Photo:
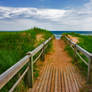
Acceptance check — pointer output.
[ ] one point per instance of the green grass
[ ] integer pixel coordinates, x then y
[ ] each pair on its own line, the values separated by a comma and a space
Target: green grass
76, 60
84, 42
15, 45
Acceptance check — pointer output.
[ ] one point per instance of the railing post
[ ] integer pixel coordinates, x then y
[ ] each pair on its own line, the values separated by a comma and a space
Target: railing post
43, 53
67, 42
75, 50
30, 72
89, 78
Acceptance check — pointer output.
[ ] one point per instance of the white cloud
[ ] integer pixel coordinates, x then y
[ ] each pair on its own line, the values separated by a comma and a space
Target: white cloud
51, 19
8, 12
52, 14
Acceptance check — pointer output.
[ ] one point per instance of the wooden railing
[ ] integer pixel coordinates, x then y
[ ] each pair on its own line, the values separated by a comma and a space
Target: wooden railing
27, 60
77, 49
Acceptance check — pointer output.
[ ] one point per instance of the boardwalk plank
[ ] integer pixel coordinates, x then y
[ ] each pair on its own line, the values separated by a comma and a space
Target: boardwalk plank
44, 80
49, 81
59, 75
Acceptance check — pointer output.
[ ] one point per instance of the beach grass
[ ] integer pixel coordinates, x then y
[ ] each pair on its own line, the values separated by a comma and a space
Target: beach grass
85, 43
15, 45
84, 40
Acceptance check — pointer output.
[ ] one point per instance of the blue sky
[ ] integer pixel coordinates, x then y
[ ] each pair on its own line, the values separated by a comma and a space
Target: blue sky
48, 14
56, 4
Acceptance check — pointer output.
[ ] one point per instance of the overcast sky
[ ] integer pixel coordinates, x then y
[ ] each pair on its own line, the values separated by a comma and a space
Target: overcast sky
73, 15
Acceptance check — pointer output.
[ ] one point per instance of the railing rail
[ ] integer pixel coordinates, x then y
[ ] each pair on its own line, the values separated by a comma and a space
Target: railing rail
78, 49
28, 59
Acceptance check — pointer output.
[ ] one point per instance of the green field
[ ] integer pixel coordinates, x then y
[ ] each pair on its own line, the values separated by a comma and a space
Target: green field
15, 45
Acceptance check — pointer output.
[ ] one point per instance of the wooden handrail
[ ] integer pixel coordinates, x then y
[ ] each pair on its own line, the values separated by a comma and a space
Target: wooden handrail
78, 49
12, 71
38, 48
8, 74
85, 52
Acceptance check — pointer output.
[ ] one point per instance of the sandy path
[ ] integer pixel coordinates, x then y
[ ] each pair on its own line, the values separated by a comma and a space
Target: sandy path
58, 70
59, 57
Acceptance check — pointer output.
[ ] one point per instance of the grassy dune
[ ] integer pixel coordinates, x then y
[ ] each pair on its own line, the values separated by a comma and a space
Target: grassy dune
84, 42
15, 45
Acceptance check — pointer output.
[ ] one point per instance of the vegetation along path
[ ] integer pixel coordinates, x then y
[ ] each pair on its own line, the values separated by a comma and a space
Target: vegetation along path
58, 73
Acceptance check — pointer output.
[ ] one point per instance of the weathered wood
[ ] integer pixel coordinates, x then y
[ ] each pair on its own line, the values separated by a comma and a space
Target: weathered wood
12, 71
82, 58
70, 41
53, 81
72, 83
87, 54
47, 80
37, 85
47, 40
89, 79
37, 57
12, 89
30, 73
75, 50
63, 81
56, 80
69, 81
36, 50
50, 80
8, 74
43, 53
66, 82
43, 81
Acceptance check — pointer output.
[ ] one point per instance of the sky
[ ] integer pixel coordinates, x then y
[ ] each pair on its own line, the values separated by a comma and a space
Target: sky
61, 15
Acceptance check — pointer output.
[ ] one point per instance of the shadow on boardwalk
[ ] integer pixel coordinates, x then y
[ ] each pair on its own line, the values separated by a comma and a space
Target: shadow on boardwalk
58, 73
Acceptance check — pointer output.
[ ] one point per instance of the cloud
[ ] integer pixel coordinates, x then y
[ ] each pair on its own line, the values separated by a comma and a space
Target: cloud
52, 19
51, 14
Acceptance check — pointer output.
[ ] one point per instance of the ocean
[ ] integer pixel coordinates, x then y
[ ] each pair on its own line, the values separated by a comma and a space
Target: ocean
58, 34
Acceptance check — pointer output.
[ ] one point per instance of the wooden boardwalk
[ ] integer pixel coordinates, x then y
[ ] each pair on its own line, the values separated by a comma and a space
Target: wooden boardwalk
54, 79
58, 73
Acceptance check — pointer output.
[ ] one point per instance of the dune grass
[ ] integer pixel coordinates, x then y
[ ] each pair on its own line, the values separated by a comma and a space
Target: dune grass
84, 42
15, 45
